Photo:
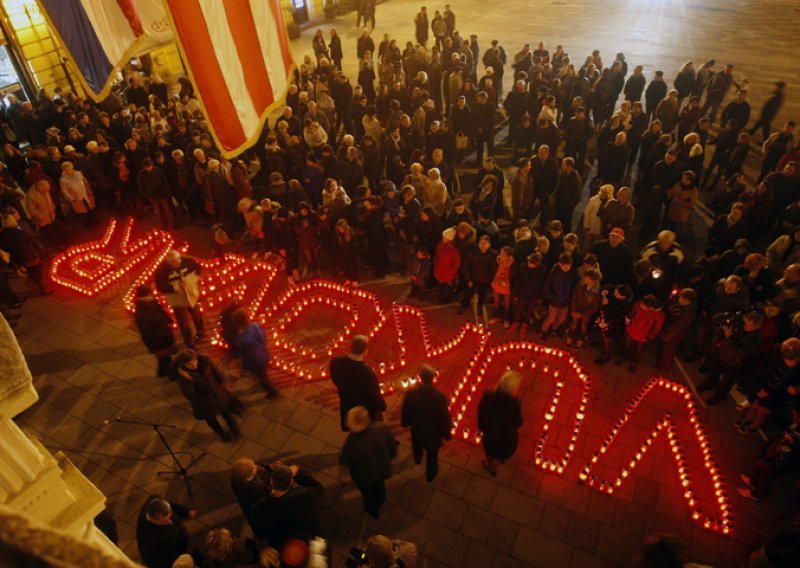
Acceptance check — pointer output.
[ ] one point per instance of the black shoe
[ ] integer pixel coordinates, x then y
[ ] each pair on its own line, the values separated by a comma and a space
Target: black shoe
431, 477
225, 437
703, 369
692, 358
274, 395
12, 317
602, 360
462, 310
716, 399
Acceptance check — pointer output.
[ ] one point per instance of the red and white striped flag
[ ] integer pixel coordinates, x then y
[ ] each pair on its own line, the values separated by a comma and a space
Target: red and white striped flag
238, 57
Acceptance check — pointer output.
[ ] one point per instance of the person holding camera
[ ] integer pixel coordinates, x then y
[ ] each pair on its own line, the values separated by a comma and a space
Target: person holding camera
740, 339
615, 304
288, 506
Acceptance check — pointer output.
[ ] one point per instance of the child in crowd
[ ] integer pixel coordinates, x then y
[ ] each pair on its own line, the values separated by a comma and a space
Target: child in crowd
501, 286
643, 325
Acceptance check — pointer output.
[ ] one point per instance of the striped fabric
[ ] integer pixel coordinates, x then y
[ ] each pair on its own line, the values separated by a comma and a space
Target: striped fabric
238, 57
99, 35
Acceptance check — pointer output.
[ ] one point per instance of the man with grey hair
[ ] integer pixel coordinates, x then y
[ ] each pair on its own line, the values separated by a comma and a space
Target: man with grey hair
356, 382
178, 278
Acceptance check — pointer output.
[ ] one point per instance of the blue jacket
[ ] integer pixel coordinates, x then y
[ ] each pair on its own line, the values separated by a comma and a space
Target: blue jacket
252, 346
558, 287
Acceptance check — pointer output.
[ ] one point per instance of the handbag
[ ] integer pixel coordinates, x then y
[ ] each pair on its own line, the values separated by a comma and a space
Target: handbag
462, 141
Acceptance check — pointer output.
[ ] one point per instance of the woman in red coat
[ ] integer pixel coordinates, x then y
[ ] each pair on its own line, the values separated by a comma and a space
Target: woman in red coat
446, 263
644, 324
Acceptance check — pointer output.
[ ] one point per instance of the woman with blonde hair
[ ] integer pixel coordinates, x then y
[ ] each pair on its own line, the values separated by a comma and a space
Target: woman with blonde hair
593, 216
499, 419
224, 550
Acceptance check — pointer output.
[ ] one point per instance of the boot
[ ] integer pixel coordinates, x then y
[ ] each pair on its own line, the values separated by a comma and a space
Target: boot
523, 331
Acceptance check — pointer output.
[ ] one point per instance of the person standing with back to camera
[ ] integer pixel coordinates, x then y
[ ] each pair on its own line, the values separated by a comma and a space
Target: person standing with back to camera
499, 419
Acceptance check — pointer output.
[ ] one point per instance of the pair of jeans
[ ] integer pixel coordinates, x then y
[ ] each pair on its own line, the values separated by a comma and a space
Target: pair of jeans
183, 315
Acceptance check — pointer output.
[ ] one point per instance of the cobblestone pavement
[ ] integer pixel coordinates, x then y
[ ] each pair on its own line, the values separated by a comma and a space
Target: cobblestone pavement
89, 366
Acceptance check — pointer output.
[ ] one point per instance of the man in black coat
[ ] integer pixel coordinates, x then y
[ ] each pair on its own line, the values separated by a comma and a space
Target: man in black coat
568, 193
634, 86
155, 326
526, 286
367, 453
425, 411
483, 114
250, 482
613, 159
614, 257
288, 506
356, 382
577, 133
655, 93
160, 534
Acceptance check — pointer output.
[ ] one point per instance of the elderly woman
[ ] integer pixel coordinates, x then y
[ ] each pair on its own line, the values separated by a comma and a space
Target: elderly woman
313, 134
435, 192
78, 193
42, 210
593, 216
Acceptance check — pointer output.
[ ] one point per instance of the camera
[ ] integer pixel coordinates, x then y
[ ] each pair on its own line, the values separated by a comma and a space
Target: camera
733, 320
656, 273
357, 558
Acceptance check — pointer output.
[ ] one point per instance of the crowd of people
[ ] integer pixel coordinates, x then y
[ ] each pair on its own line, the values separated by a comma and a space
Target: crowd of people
364, 173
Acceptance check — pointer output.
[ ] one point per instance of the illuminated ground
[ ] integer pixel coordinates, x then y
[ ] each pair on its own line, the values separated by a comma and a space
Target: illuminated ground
89, 366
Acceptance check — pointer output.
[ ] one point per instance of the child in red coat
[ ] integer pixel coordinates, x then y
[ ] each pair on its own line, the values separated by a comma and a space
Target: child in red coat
446, 262
643, 324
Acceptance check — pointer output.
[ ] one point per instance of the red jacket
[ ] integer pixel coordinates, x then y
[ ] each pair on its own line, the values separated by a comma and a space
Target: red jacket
644, 323
446, 262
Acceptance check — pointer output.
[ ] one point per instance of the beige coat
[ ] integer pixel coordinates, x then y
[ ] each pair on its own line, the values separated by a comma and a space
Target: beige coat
40, 207
681, 202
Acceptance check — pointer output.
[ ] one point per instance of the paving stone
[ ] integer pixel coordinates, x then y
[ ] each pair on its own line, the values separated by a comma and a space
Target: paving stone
416, 497
539, 549
503, 535
582, 532
446, 546
554, 521
517, 506
479, 555
616, 545
446, 510
477, 523
480, 492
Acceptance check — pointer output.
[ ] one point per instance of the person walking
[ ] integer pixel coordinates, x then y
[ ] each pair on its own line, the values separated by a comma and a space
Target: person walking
179, 279
356, 382
367, 453
425, 411
251, 346
499, 418
205, 387
155, 326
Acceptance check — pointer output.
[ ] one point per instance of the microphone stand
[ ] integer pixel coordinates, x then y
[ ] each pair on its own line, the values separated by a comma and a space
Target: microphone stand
178, 470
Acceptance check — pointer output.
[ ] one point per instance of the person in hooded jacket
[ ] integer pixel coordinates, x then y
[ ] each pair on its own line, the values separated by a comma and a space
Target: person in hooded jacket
557, 291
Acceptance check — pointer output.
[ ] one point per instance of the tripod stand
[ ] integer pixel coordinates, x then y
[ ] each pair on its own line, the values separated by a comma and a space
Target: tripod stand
178, 469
